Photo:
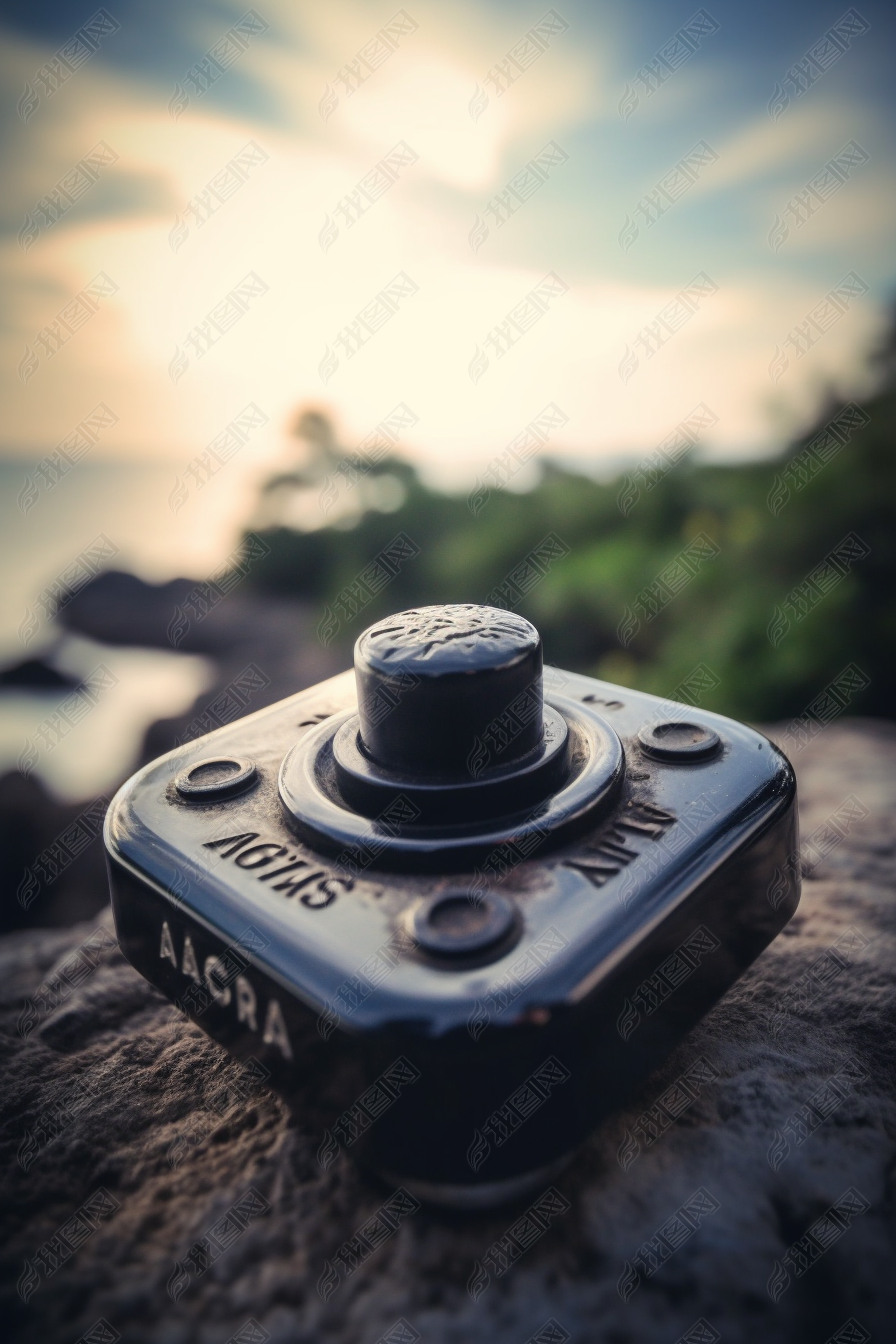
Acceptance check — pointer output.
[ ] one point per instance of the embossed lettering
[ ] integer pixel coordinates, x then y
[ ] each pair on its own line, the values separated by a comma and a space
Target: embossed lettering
189, 965
610, 852
219, 975
275, 1030
311, 885
219, 991
295, 884
245, 1003
234, 843
167, 946
245, 860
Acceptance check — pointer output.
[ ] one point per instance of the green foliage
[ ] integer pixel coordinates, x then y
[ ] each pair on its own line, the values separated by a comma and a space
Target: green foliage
774, 523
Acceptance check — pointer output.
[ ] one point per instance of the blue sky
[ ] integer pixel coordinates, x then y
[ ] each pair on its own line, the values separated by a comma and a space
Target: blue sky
474, 211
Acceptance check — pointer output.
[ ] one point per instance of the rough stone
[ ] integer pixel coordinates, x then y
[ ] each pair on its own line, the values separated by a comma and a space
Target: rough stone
108, 1090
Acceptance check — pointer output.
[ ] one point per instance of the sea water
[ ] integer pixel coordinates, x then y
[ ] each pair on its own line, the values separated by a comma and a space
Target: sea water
85, 746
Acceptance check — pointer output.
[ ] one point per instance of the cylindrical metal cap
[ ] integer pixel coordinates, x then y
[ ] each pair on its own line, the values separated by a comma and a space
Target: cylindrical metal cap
448, 690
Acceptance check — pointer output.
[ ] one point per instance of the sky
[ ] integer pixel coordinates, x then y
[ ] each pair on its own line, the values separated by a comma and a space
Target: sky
451, 218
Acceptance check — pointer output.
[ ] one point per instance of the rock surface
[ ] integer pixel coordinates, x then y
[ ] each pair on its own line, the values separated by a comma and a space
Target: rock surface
118, 1108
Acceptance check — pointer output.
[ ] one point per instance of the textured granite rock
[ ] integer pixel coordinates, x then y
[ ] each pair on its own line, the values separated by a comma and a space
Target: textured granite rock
746, 1194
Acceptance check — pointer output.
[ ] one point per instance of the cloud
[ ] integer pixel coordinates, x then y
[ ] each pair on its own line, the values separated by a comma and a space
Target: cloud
431, 89
857, 218
787, 150
175, 261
